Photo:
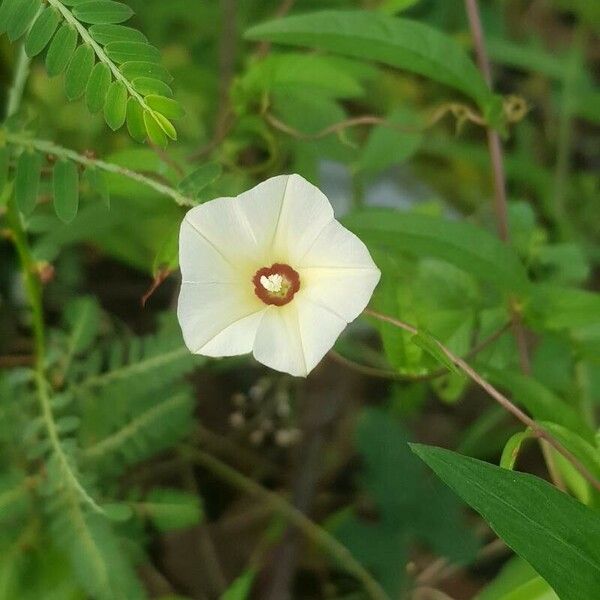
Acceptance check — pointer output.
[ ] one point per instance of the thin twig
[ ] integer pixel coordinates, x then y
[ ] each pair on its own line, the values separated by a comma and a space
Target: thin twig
371, 371
499, 178
538, 431
312, 531
55, 150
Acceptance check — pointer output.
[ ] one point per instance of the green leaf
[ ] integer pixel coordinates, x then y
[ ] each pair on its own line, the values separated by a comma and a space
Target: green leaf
200, 178
122, 52
135, 68
61, 50
155, 132
105, 34
556, 534
79, 71
97, 88
395, 6
148, 86
512, 449
543, 404
20, 20
369, 35
241, 587
517, 581
466, 246
135, 120
42, 31
115, 105
165, 106
27, 181
428, 343
410, 507
8, 8
172, 509
4, 164
102, 12
97, 182
388, 145
82, 320
66, 190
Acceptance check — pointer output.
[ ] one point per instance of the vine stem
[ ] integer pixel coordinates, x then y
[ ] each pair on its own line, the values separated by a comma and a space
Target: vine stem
34, 296
538, 431
498, 175
89, 40
312, 531
61, 152
15, 93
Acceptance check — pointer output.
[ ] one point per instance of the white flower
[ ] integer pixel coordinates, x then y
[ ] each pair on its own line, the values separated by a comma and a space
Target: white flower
273, 273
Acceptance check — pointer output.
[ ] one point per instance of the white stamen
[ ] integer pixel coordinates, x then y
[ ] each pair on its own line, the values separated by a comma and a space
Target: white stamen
272, 283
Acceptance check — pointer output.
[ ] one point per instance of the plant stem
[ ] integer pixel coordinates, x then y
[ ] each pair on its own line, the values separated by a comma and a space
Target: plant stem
17, 89
55, 150
312, 531
34, 296
499, 178
539, 432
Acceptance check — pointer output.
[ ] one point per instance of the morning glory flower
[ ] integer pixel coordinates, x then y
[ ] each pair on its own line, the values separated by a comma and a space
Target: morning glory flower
273, 273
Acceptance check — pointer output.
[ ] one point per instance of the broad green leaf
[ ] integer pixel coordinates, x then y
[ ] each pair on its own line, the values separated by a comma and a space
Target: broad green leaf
517, 581
97, 88
102, 12
388, 145
172, 509
165, 106
61, 50
557, 307
200, 178
79, 71
115, 105
20, 20
466, 246
136, 68
396, 6
42, 31
135, 120
27, 181
105, 34
556, 534
122, 52
66, 190
369, 35
287, 70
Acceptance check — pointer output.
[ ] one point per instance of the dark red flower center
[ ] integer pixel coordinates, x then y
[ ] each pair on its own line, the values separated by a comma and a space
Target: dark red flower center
276, 284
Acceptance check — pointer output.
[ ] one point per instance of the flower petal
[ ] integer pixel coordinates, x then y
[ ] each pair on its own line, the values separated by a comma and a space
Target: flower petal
305, 211
295, 337
338, 272
218, 319
242, 228
278, 343
200, 261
